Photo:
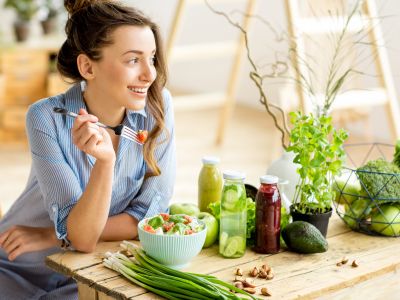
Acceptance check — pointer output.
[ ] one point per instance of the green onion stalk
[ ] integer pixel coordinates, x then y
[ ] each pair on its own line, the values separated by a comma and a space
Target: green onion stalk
172, 284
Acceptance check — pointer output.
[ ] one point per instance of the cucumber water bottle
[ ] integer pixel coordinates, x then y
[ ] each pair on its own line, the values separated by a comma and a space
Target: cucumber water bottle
232, 238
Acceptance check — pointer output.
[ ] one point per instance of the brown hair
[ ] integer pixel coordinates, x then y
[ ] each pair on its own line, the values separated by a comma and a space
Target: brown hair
89, 27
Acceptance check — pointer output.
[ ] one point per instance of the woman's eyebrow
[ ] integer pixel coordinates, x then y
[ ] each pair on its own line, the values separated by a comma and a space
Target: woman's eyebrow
137, 52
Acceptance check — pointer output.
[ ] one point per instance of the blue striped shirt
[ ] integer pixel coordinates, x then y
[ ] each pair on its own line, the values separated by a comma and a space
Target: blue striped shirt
60, 171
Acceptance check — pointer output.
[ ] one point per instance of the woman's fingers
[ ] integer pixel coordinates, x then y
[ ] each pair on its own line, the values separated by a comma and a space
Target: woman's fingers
82, 118
14, 233
10, 235
3, 237
21, 239
85, 133
15, 244
93, 142
92, 139
16, 252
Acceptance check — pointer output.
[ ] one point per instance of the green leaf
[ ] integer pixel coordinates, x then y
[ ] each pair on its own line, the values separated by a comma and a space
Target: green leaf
317, 160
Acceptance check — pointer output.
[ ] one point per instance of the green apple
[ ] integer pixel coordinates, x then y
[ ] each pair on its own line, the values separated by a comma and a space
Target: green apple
347, 188
189, 209
357, 211
212, 228
387, 220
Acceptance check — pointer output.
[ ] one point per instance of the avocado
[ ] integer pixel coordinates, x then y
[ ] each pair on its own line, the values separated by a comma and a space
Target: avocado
303, 237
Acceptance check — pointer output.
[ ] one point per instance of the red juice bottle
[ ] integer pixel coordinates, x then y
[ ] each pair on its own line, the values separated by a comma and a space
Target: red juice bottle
268, 216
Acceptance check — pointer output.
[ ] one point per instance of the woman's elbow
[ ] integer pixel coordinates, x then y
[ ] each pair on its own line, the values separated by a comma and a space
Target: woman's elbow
84, 247
83, 244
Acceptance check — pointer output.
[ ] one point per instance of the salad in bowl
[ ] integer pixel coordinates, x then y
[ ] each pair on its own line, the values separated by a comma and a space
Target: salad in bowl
166, 224
172, 240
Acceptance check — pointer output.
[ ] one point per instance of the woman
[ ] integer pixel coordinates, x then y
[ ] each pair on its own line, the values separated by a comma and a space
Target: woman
86, 183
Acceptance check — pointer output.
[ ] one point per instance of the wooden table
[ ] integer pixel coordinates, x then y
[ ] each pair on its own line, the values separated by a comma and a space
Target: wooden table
296, 276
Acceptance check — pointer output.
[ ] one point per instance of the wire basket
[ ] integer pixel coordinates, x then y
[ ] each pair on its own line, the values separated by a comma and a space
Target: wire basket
369, 201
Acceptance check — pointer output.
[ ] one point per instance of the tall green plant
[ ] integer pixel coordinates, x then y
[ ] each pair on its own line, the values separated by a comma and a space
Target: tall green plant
330, 84
318, 147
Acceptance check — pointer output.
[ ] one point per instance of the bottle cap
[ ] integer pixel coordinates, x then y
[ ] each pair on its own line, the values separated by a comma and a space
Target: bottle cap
234, 175
269, 179
210, 160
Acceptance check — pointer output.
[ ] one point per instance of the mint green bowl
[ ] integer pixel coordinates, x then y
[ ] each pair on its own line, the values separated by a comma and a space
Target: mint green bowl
174, 251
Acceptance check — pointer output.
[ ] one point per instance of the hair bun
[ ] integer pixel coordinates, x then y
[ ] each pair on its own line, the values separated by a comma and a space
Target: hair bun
73, 6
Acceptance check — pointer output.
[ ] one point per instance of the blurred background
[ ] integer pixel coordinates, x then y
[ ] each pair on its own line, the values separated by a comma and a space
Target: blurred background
217, 106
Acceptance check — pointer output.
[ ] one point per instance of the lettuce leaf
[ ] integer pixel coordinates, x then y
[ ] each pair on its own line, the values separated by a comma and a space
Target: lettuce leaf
156, 222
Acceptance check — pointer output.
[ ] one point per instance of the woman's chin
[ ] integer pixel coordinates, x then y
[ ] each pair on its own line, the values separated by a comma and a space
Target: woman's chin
137, 105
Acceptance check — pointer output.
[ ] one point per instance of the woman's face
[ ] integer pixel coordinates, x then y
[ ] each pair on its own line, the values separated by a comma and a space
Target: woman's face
126, 70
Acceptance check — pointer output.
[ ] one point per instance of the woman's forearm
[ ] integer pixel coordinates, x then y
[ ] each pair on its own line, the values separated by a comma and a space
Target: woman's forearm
87, 219
120, 227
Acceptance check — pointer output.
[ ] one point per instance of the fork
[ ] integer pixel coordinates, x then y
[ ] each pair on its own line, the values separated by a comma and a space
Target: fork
120, 129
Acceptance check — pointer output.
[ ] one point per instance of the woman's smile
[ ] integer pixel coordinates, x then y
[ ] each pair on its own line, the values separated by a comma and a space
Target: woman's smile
138, 91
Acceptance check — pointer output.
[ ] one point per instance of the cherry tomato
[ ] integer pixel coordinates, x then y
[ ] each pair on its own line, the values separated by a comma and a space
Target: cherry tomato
188, 219
142, 135
148, 228
165, 216
188, 231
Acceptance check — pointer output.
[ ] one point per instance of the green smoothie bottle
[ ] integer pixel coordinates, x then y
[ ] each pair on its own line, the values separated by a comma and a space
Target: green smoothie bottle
233, 220
210, 183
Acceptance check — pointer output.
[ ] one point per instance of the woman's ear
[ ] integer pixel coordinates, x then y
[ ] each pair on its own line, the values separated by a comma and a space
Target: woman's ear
85, 66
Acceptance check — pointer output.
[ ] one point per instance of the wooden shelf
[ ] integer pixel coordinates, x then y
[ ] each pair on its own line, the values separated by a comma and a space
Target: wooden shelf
25, 78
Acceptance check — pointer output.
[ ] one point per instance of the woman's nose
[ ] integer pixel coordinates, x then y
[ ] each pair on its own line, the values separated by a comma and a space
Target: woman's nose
148, 73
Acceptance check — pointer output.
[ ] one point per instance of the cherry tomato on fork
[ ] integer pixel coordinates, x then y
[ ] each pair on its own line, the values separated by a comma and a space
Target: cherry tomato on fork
142, 135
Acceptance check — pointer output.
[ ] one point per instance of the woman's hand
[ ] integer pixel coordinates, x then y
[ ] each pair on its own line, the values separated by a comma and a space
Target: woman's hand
22, 239
92, 139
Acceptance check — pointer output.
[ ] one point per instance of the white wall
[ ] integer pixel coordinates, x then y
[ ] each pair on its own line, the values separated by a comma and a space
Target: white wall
203, 25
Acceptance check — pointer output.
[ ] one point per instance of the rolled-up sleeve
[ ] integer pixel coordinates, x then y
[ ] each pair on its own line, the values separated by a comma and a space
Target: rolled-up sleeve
156, 191
58, 184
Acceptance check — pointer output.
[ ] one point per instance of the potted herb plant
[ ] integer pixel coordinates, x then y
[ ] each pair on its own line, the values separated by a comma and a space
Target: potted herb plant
25, 10
51, 8
319, 153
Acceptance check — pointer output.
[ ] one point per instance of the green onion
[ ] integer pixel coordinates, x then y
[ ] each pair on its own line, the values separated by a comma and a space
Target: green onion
166, 282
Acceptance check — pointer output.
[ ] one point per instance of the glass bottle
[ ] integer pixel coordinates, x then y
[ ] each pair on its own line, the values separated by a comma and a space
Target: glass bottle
233, 220
268, 216
209, 183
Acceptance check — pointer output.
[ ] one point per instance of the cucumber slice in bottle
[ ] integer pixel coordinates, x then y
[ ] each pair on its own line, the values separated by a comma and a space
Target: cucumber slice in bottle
231, 196
223, 238
234, 245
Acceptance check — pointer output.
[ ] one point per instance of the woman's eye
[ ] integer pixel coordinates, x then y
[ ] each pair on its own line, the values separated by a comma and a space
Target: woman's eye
133, 60
153, 60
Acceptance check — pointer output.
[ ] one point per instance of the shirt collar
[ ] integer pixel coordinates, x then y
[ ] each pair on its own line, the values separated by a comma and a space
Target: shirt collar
73, 101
